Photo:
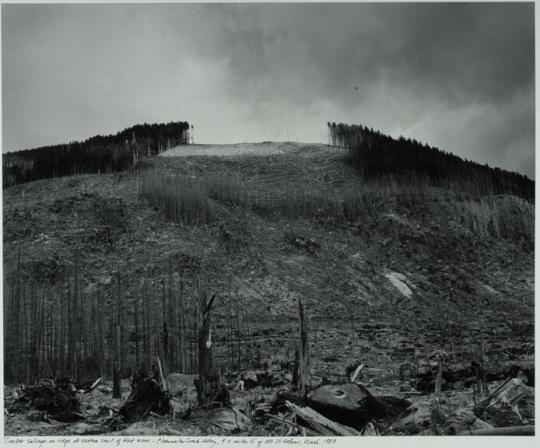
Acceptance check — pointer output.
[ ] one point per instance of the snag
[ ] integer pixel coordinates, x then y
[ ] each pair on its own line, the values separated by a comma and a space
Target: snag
303, 375
210, 386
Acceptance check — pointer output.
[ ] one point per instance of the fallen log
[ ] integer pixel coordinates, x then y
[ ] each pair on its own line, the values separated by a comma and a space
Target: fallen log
526, 430
319, 423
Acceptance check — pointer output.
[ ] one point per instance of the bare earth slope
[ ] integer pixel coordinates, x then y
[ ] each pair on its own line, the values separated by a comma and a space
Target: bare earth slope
382, 288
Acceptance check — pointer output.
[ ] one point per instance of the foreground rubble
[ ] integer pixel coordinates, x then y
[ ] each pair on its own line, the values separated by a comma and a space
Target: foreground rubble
269, 404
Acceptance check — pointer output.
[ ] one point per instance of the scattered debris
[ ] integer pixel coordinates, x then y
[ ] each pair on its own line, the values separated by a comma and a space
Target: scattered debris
309, 244
511, 402
56, 398
239, 386
261, 378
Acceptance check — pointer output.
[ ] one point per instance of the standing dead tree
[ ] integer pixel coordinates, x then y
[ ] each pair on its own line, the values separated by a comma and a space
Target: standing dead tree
304, 375
117, 362
210, 386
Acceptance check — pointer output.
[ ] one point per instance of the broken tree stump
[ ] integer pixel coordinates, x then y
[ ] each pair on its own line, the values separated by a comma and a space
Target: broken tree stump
146, 396
210, 385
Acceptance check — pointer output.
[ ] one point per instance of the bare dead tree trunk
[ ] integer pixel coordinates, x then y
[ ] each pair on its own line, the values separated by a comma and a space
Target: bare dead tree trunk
75, 317
25, 339
304, 375
147, 321
195, 337
63, 338
210, 385
137, 332
94, 345
120, 322
9, 332
101, 331
82, 336
438, 378
117, 392
238, 337
230, 356
182, 344
55, 330
170, 323
164, 348
117, 362
16, 306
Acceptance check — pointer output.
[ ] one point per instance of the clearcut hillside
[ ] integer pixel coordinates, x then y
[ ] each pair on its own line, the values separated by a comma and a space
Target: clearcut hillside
387, 273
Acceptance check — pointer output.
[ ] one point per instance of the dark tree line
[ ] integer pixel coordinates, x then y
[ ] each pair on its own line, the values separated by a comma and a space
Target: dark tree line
98, 154
378, 155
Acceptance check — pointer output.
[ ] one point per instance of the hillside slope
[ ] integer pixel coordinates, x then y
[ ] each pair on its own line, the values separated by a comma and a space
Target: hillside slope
403, 273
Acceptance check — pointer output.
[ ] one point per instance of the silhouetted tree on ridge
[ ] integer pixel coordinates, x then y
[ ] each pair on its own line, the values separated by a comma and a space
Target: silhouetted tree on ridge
98, 154
377, 155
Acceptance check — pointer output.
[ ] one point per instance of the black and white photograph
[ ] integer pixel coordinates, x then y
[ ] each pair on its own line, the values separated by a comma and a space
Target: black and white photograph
274, 220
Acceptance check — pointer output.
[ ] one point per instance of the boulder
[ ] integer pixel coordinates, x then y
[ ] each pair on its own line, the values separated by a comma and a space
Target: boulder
349, 403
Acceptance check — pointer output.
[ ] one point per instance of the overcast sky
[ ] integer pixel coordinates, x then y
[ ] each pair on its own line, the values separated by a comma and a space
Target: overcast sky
457, 76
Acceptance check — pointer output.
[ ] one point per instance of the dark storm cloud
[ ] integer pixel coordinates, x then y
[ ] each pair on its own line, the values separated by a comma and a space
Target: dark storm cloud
458, 76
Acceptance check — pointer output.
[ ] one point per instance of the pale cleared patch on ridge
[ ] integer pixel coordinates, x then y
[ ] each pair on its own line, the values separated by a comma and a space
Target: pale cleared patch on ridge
398, 280
238, 149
